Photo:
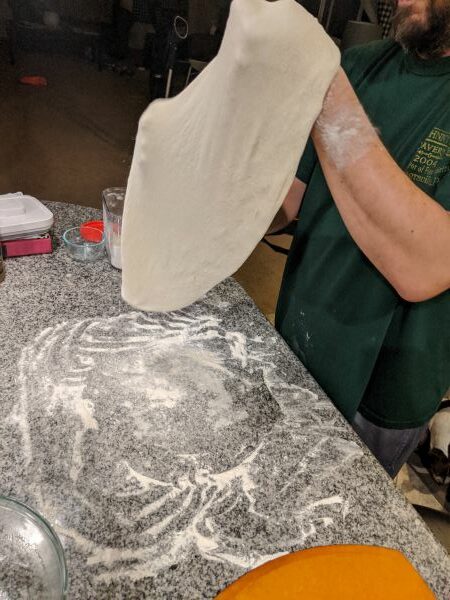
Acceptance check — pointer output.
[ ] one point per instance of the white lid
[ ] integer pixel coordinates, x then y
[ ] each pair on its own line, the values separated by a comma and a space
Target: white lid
23, 216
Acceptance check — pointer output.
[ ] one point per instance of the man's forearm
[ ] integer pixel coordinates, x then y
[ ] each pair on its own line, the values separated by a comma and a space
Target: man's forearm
290, 207
403, 232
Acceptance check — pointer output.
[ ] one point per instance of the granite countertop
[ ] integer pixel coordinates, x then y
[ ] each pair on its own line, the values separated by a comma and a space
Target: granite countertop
174, 452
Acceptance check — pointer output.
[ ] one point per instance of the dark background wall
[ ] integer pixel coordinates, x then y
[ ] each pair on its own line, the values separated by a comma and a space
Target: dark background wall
344, 10
102, 10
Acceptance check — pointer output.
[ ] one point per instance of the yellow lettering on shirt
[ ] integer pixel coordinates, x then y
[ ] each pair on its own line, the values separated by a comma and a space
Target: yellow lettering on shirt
432, 160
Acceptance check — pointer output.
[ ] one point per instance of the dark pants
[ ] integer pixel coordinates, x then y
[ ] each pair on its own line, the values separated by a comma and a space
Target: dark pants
391, 447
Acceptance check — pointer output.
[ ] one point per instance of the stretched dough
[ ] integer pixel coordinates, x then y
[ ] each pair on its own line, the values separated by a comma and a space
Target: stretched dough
212, 166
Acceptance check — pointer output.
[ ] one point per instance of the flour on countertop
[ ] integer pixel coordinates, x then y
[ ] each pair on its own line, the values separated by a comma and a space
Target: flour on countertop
180, 433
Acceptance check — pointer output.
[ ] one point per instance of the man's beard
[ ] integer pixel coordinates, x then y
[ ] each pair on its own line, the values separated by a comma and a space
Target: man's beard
428, 38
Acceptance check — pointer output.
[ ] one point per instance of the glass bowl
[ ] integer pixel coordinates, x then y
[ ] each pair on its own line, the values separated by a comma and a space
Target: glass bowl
84, 244
32, 563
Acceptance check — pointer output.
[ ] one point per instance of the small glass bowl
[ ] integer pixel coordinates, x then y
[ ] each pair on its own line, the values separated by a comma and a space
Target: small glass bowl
32, 561
84, 244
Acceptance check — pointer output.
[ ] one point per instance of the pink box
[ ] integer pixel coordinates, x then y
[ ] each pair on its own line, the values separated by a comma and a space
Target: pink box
26, 247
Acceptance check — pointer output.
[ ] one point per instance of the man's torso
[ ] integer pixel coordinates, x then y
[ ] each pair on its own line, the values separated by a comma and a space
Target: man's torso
369, 349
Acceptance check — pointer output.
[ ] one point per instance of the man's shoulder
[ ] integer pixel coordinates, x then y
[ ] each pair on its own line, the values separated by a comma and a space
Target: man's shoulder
361, 58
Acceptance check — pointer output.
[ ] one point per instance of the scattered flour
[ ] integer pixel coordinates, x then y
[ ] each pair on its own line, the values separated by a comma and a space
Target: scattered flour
159, 414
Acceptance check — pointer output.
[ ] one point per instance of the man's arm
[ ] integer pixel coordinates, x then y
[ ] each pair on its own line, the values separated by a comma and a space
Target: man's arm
290, 207
401, 230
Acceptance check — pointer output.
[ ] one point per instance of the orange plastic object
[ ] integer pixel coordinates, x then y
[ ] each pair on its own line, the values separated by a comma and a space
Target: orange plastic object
333, 573
92, 231
34, 80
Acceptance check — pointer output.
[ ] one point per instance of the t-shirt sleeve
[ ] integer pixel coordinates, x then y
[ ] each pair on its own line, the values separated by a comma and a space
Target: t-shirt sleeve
307, 163
353, 61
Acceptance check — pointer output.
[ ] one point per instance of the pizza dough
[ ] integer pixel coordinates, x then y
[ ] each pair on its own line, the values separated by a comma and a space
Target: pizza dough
213, 165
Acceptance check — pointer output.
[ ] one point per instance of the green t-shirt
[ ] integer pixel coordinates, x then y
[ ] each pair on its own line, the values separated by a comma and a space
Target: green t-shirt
368, 348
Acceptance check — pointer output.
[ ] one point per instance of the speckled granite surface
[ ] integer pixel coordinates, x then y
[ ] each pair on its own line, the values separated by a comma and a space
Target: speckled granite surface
172, 453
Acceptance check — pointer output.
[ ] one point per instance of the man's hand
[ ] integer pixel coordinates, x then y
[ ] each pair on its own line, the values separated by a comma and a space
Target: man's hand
401, 230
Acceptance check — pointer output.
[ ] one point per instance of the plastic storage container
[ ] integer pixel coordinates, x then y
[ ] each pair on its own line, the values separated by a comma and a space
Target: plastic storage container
23, 216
